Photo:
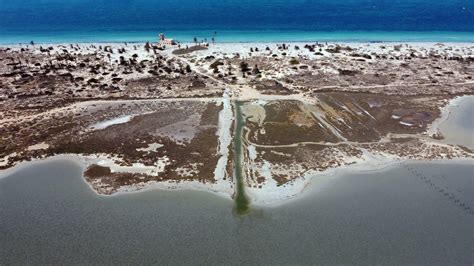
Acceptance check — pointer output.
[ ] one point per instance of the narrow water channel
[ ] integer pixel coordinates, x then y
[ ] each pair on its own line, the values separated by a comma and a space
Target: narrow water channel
241, 200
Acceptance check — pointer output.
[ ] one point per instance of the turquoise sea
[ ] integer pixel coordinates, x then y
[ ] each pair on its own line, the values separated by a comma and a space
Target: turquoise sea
239, 36
54, 21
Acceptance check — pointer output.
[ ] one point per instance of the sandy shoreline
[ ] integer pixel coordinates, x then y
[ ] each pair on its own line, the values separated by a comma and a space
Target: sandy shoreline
296, 190
85, 161
446, 111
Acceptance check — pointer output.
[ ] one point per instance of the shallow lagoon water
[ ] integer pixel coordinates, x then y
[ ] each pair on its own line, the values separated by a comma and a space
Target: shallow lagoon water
459, 127
50, 215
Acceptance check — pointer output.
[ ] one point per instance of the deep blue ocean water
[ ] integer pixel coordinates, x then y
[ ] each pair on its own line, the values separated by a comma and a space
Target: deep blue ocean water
236, 20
